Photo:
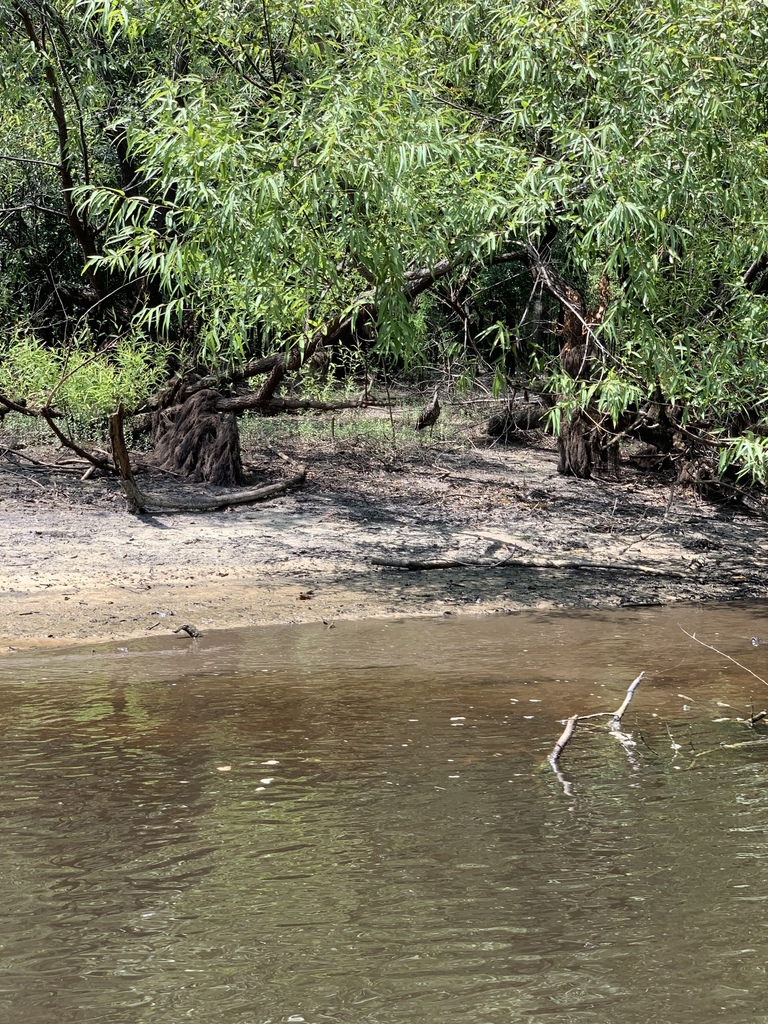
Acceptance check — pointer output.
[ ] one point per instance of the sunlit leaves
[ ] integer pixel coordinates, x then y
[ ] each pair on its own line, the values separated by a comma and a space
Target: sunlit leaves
388, 135
291, 158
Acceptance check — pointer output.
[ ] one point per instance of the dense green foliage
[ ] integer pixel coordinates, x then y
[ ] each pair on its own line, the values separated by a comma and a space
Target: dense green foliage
234, 176
86, 385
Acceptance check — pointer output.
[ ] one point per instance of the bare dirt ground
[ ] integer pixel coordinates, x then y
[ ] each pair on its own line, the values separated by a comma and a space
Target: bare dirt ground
76, 566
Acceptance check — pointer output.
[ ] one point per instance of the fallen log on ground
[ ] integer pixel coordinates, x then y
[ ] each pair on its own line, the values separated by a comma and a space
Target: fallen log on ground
419, 565
141, 501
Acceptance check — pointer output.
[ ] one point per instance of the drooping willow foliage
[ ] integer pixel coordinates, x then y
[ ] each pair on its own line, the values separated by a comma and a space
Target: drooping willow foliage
232, 176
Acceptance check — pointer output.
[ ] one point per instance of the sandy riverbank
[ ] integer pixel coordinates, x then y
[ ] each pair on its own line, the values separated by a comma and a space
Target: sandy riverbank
77, 567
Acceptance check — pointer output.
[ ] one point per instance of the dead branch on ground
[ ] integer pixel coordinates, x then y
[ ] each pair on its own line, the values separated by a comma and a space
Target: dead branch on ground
140, 501
245, 496
419, 565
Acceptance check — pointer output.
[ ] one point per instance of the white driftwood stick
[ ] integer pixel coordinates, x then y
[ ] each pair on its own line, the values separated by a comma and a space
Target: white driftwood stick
616, 720
562, 743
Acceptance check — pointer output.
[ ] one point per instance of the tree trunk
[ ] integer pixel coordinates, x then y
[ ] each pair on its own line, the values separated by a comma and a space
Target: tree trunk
583, 441
198, 442
574, 445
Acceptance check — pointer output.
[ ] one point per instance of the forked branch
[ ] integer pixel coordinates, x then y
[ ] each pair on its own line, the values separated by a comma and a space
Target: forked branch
614, 727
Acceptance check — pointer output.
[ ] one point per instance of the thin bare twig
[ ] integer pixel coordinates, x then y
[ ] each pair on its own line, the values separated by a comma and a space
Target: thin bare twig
724, 655
616, 720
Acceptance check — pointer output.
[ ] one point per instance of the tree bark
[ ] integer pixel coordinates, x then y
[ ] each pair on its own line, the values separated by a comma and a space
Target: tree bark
199, 442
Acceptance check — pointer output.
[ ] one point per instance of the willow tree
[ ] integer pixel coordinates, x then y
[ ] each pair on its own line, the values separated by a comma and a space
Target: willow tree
297, 168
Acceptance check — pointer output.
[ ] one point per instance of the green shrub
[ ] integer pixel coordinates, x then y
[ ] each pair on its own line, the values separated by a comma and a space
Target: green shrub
86, 386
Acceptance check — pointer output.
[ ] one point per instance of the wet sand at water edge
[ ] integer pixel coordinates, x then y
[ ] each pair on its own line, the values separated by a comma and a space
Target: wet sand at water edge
77, 567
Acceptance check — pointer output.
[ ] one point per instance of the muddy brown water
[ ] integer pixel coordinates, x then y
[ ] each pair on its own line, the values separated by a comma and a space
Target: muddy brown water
358, 824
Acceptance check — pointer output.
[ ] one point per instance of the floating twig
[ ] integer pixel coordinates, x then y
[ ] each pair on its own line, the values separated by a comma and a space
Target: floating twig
565, 739
724, 655
614, 727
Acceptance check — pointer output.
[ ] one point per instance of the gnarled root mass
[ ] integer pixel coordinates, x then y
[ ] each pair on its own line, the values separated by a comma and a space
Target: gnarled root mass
195, 440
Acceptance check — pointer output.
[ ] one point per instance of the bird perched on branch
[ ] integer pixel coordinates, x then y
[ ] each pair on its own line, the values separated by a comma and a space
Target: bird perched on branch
429, 414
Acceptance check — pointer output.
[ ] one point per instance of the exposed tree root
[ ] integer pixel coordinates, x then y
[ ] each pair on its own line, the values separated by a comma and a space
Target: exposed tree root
198, 441
140, 501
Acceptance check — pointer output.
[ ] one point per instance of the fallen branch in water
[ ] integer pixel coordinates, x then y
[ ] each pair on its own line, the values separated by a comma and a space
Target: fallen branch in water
724, 655
572, 722
564, 740
618, 715
614, 728
728, 746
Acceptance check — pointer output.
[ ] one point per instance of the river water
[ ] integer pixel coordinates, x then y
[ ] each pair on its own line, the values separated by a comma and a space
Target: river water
359, 824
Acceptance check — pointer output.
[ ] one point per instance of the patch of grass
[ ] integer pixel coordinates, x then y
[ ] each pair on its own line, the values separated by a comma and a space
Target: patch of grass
85, 386
370, 428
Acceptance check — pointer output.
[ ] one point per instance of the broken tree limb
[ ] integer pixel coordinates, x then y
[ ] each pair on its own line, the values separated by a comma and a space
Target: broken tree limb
151, 501
50, 415
619, 714
564, 740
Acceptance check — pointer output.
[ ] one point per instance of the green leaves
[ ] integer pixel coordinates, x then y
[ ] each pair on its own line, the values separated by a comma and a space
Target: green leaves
263, 167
